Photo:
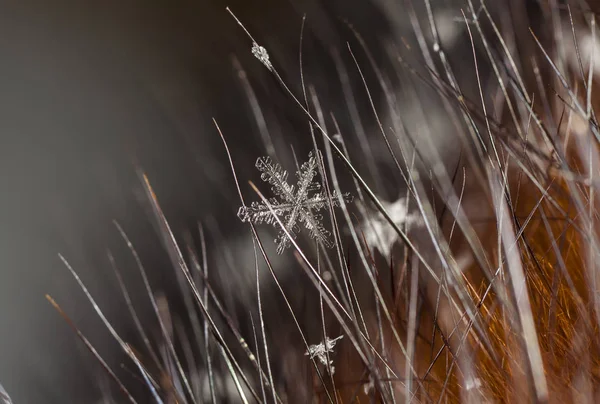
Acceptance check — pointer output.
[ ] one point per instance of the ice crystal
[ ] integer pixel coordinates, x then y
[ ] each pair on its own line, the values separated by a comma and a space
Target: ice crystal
321, 350
292, 205
380, 234
261, 54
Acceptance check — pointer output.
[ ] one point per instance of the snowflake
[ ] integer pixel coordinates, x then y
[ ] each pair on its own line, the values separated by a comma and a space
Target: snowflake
380, 234
294, 205
261, 54
320, 352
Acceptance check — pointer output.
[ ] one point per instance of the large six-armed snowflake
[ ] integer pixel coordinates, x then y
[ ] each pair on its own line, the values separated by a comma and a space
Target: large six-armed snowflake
293, 205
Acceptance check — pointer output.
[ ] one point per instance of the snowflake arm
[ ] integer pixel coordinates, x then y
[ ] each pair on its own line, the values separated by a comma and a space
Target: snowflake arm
276, 176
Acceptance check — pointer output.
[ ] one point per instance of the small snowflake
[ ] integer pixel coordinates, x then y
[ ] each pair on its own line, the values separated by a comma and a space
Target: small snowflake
261, 54
294, 205
380, 234
321, 350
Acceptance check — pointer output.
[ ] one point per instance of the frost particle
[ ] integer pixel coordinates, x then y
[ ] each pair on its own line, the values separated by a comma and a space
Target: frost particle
261, 54
321, 350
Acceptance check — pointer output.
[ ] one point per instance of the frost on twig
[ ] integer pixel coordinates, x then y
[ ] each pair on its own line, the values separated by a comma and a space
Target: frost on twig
261, 54
321, 350
380, 234
292, 204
